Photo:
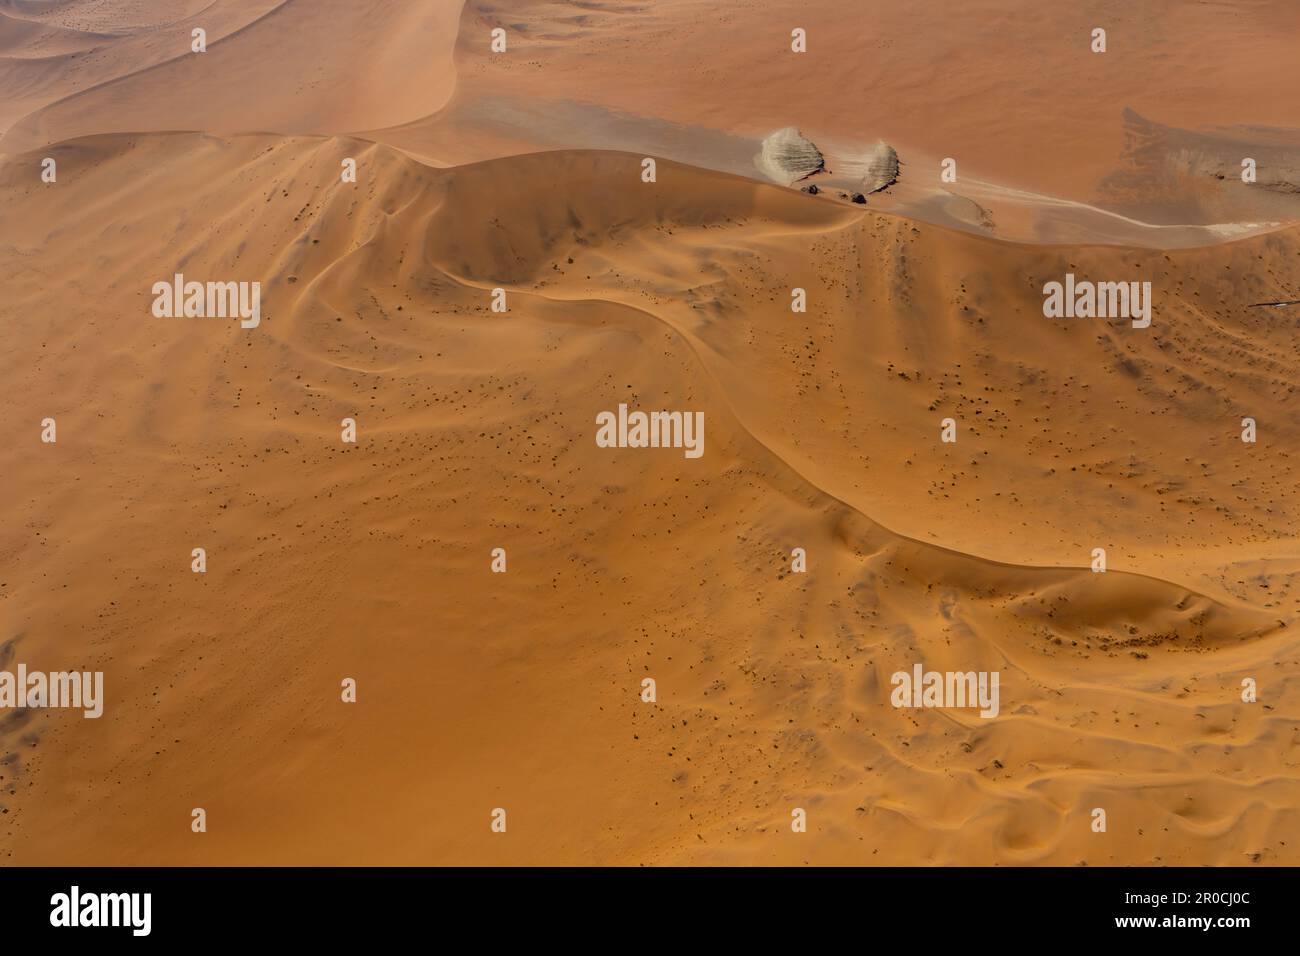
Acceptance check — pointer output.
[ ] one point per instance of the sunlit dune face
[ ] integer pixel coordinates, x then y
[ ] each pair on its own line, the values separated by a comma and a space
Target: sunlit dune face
625, 438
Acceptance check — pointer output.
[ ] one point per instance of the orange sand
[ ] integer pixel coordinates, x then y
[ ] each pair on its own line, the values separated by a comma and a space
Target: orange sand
522, 690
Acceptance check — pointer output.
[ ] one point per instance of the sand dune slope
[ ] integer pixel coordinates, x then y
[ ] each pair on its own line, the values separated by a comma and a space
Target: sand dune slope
1010, 90
476, 430
52, 51
289, 67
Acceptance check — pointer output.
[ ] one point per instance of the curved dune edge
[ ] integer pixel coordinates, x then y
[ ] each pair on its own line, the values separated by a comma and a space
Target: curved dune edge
17, 32
120, 56
721, 199
187, 95
232, 87
1099, 174
782, 213
774, 686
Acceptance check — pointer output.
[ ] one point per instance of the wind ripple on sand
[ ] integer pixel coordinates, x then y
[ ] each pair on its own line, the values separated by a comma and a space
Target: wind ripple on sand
1119, 689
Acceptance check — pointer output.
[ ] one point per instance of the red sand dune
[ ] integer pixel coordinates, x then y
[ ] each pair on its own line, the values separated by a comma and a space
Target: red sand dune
522, 690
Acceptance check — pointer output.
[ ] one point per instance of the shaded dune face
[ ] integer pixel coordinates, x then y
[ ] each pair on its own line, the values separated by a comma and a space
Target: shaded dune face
1119, 690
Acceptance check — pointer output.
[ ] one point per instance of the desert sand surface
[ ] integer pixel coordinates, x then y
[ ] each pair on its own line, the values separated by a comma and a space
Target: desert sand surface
523, 171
